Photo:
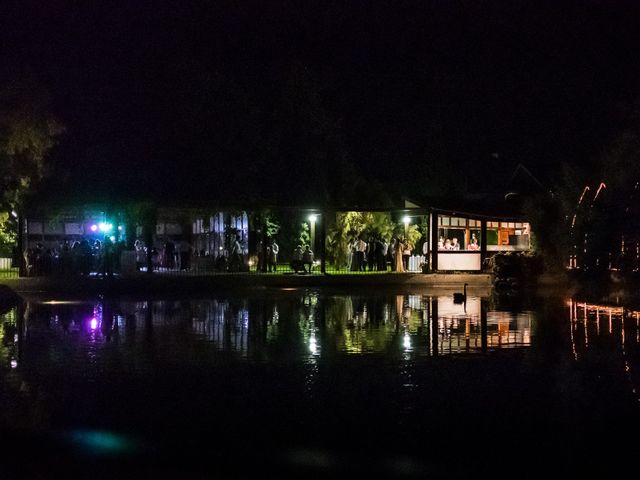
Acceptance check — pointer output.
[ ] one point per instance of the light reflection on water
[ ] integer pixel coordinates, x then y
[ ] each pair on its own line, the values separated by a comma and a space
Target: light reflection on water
597, 330
301, 326
323, 364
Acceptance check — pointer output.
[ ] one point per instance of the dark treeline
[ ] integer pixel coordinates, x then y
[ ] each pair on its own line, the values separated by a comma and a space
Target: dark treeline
316, 101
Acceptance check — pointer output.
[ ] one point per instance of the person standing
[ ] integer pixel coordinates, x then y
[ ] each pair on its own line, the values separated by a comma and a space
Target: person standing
371, 254
391, 248
273, 256
425, 254
296, 262
352, 261
307, 258
406, 255
141, 254
474, 243
399, 249
235, 260
361, 248
380, 255
260, 253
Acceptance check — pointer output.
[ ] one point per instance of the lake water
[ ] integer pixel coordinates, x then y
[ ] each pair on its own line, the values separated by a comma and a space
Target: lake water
320, 383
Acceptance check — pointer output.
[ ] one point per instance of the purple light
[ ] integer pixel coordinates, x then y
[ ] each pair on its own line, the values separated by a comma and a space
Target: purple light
94, 228
94, 323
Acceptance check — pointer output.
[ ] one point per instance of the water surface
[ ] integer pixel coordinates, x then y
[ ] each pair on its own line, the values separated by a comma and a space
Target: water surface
316, 382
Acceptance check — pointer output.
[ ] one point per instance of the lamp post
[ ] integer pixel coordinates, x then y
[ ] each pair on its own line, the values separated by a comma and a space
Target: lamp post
406, 220
22, 267
312, 229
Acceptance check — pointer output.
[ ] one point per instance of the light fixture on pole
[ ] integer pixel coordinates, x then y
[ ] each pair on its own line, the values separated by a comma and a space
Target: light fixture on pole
312, 229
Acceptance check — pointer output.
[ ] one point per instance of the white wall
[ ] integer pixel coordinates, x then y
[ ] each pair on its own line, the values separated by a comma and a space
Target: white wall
459, 261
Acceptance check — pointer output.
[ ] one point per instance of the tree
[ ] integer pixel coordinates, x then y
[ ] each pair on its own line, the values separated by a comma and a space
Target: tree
351, 225
28, 131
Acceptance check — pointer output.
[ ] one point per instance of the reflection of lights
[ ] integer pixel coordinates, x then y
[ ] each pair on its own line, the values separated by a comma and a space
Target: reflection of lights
313, 344
61, 302
593, 308
14, 363
94, 323
406, 341
316, 262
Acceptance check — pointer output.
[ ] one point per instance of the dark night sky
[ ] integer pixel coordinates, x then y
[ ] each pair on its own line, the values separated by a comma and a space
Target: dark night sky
539, 82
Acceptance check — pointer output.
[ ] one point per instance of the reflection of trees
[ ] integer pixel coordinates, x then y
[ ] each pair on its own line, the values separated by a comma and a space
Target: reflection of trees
8, 346
365, 330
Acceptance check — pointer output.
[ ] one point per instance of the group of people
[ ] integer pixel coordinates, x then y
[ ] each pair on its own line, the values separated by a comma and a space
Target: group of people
378, 255
302, 260
448, 244
453, 244
169, 256
267, 260
73, 257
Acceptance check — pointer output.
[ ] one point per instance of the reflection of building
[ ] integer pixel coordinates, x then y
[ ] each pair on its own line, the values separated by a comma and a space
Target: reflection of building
461, 327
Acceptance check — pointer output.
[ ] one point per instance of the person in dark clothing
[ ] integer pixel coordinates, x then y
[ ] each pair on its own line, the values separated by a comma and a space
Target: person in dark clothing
307, 258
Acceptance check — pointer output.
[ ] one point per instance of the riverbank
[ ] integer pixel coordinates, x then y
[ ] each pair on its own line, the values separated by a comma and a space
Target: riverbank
159, 283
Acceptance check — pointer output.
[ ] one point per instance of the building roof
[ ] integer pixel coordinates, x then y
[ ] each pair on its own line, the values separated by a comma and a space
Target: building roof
474, 206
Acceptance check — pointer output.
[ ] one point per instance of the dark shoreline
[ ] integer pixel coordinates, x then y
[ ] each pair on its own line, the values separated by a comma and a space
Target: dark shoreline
159, 283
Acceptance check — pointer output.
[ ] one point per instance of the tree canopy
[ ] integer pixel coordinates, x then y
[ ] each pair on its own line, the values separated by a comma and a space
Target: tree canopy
28, 131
